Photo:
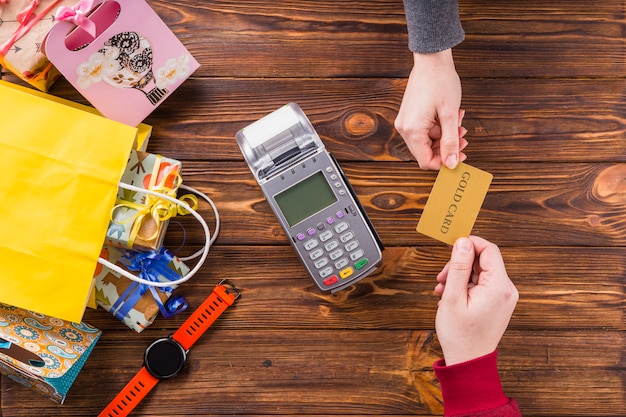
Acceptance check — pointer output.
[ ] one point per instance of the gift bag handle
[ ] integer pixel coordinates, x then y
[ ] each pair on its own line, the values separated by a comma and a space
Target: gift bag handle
202, 252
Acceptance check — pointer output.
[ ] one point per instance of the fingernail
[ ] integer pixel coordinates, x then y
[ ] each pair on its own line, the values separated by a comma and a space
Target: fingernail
463, 244
451, 161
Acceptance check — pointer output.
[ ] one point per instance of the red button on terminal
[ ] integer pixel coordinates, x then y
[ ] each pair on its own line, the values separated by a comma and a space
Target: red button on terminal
331, 280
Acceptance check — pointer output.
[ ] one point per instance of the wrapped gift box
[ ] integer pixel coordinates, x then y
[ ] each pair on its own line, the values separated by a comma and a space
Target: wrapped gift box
25, 23
139, 220
138, 305
42, 352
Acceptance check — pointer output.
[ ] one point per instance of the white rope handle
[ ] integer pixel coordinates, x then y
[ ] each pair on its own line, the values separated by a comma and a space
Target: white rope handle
217, 221
202, 252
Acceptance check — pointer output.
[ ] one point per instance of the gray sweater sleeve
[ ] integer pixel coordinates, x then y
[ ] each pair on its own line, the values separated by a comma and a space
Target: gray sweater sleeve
433, 25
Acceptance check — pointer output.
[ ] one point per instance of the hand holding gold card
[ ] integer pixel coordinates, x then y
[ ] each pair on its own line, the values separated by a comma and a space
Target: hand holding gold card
454, 203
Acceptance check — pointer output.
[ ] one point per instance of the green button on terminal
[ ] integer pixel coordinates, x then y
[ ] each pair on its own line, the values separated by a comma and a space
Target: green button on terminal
360, 264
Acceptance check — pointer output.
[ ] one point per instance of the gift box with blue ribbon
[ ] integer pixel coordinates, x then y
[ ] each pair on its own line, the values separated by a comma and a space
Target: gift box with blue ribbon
138, 305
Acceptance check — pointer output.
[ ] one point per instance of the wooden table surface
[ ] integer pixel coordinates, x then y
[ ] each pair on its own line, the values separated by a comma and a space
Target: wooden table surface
544, 86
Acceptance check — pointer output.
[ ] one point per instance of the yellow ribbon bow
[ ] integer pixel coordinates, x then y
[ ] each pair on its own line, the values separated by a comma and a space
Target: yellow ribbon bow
154, 207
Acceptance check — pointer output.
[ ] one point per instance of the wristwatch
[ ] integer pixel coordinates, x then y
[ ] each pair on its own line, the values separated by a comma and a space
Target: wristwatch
165, 357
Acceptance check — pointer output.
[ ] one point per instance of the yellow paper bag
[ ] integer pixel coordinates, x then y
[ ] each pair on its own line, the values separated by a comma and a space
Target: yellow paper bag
144, 131
61, 171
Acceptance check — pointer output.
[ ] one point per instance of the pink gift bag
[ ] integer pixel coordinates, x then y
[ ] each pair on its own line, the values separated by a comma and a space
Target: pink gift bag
119, 55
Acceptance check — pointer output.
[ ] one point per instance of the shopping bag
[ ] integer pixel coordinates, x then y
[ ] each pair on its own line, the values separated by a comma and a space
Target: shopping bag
130, 64
61, 171
144, 131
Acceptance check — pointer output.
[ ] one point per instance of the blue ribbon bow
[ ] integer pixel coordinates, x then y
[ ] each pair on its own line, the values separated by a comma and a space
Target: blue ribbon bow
152, 266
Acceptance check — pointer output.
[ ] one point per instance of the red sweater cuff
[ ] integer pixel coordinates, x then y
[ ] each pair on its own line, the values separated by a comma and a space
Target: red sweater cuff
470, 386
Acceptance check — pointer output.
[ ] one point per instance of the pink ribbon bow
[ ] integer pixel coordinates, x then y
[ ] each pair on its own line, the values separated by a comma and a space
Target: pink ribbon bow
78, 15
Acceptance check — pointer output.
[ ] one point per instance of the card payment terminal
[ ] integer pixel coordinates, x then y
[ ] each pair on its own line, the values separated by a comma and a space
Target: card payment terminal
312, 198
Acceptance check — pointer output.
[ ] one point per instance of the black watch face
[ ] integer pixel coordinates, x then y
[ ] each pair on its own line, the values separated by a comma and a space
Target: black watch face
164, 358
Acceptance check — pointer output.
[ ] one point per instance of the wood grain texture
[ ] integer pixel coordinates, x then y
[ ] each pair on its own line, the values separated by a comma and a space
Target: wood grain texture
337, 39
331, 372
527, 204
509, 120
544, 87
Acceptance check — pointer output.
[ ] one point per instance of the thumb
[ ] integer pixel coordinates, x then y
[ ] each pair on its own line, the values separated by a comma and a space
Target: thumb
459, 271
450, 142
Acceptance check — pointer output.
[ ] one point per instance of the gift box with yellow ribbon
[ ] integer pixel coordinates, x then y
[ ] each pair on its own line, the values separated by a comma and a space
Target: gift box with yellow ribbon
139, 220
138, 305
23, 27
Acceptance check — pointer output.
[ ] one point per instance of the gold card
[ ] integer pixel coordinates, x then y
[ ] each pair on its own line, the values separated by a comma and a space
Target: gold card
454, 203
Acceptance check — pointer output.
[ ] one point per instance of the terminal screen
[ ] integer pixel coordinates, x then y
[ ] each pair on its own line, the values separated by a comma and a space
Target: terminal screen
305, 198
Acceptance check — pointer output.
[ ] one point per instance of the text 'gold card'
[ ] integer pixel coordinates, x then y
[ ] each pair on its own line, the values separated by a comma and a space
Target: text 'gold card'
454, 203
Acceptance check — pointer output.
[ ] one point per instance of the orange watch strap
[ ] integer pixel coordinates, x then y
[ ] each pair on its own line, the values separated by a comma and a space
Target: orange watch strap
200, 320
223, 296
130, 395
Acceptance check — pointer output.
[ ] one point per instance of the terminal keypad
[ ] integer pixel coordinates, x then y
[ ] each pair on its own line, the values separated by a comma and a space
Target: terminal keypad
333, 249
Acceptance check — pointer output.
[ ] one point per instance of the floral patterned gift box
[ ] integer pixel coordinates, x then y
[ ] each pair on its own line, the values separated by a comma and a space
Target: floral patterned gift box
138, 305
139, 220
42, 352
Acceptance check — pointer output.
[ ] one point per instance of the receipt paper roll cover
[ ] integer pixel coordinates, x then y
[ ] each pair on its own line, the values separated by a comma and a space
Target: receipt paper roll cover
23, 27
139, 220
42, 352
138, 305
120, 56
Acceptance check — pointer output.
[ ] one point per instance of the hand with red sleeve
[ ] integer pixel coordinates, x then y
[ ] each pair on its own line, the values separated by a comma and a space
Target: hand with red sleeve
477, 302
